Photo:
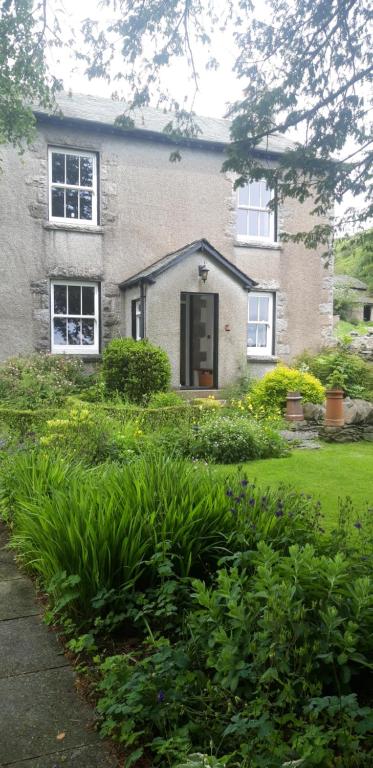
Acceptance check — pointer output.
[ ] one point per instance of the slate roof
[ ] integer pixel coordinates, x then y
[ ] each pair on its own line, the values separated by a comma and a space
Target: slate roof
150, 274
102, 112
346, 281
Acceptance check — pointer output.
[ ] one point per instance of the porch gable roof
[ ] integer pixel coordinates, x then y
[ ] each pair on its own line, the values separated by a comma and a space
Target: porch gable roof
149, 274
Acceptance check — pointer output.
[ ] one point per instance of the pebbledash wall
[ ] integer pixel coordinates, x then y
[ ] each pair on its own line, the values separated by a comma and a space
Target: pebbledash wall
148, 207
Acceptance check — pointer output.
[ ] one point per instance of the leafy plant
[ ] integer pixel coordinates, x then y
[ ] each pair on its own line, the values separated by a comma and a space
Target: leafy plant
135, 369
358, 374
231, 438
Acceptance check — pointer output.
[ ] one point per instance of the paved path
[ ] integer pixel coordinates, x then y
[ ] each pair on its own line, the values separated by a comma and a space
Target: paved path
38, 701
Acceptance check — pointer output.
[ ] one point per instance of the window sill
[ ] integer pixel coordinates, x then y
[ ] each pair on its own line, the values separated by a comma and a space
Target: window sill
90, 229
271, 246
262, 358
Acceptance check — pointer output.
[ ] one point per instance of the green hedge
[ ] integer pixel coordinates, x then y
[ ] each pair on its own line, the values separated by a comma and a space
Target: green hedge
135, 369
24, 420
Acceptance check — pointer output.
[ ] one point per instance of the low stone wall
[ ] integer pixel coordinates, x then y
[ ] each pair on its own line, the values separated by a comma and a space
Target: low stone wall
358, 421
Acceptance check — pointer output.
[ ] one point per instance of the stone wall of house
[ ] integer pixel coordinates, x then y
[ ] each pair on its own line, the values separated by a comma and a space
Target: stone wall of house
148, 207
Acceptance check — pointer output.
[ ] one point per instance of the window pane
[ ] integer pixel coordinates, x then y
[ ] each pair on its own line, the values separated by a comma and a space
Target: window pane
74, 300
60, 303
72, 203
241, 222
72, 169
266, 195
263, 308
253, 223
85, 205
251, 335
59, 331
243, 195
255, 193
86, 172
88, 332
88, 300
58, 168
262, 336
73, 331
253, 308
58, 202
264, 224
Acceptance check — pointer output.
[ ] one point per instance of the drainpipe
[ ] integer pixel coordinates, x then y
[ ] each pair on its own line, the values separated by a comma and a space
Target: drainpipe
142, 308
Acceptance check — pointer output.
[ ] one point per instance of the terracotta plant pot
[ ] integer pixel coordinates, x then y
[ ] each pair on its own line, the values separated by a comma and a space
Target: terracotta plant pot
206, 379
334, 416
294, 408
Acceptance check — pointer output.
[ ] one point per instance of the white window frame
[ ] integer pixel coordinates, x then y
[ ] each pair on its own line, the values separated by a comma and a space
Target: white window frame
138, 315
260, 209
77, 153
266, 351
76, 349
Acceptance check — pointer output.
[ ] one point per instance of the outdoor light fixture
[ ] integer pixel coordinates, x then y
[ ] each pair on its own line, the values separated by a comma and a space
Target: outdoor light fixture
203, 272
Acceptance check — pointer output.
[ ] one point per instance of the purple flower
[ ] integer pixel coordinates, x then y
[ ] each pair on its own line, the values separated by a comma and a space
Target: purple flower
160, 697
244, 483
229, 492
252, 501
358, 525
279, 511
237, 499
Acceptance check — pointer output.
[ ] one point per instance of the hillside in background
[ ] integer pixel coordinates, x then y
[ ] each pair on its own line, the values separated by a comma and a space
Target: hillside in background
354, 256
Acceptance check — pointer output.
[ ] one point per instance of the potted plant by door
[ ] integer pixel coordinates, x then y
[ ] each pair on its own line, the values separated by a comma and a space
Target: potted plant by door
206, 379
334, 416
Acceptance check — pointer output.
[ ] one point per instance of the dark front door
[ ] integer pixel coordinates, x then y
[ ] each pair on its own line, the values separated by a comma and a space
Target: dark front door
199, 340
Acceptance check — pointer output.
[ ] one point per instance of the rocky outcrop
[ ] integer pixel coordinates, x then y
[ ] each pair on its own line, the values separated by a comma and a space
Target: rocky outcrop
358, 412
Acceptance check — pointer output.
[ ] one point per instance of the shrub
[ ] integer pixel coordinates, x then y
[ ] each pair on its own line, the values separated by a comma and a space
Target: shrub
269, 393
92, 436
358, 375
231, 439
39, 380
135, 369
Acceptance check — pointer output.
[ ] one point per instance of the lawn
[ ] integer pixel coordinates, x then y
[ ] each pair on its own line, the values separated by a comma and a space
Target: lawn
331, 473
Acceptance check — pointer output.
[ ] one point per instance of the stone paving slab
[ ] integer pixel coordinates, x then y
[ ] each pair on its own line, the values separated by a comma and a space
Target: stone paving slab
35, 708
17, 599
8, 568
84, 757
27, 646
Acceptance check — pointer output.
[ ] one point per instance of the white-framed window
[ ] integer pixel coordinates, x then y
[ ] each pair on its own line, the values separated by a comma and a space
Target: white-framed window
136, 319
72, 186
74, 317
254, 220
260, 324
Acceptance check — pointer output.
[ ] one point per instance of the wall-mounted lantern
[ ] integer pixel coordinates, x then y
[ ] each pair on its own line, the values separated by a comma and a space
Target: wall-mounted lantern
203, 272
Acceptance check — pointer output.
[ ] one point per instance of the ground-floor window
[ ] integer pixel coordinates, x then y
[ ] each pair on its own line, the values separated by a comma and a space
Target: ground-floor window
136, 320
260, 325
74, 317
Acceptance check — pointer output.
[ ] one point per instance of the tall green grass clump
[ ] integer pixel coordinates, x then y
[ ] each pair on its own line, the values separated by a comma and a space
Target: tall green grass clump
103, 526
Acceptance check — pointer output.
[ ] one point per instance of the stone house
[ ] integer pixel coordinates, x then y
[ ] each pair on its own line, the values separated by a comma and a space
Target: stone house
355, 292
102, 236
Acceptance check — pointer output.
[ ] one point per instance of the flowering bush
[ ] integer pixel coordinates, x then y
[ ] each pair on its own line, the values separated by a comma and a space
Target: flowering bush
39, 379
230, 439
268, 395
91, 436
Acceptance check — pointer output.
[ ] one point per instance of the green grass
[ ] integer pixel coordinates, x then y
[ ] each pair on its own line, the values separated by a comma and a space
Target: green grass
331, 473
344, 329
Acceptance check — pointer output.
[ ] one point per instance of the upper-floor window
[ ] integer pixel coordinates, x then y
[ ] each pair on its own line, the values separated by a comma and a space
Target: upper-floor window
72, 186
74, 317
260, 323
254, 219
